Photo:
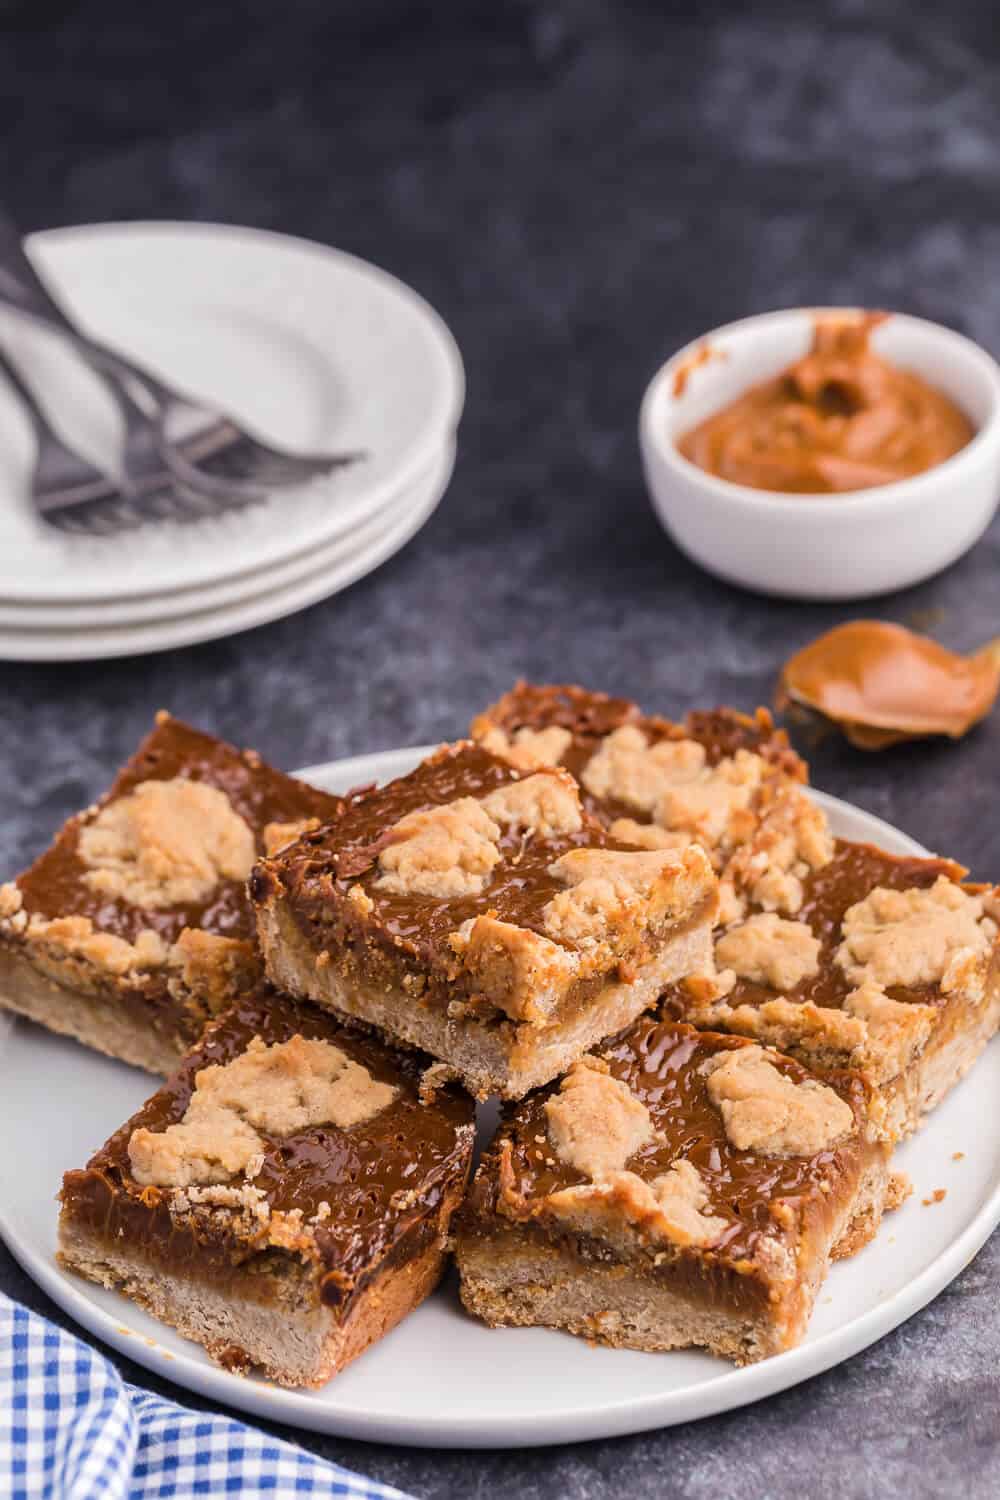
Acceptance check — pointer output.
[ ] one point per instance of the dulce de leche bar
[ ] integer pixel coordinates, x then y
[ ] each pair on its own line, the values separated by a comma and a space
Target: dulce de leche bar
284, 1199
480, 913
676, 1188
839, 953
134, 928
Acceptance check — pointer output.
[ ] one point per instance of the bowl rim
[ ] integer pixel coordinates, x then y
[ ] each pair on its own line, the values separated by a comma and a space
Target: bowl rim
885, 497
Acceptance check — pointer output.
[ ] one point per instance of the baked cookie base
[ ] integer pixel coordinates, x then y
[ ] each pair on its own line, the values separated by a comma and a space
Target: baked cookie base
500, 1058
118, 1025
293, 1339
515, 1277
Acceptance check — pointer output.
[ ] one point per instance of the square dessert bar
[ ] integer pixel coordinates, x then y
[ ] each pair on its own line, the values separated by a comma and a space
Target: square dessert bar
840, 954
675, 1189
888, 964
284, 1199
725, 779
483, 915
134, 927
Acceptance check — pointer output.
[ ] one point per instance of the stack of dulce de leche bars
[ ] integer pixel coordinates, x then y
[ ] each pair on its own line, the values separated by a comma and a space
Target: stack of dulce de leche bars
709, 1021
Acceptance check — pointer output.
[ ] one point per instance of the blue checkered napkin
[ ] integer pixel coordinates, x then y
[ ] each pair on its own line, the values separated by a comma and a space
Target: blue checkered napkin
72, 1429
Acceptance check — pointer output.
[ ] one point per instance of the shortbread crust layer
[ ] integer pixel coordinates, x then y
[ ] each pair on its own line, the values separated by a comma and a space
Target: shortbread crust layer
483, 915
283, 1199
633, 1205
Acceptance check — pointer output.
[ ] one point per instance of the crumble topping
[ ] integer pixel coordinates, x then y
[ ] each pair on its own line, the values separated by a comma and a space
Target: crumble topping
916, 937
793, 838
445, 852
763, 1110
166, 844
647, 835
715, 805
628, 769
595, 1122
605, 887
545, 803
215, 967
529, 749
522, 971
902, 1027
768, 949
671, 1207
11, 904
77, 937
277, 835
276, 1091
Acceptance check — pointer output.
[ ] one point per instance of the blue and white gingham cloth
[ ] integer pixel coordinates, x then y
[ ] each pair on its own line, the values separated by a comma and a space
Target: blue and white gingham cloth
72, 1429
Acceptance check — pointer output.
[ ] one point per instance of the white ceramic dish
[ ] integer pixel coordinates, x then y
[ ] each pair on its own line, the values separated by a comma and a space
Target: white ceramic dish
847, 546
102, 614
324, 575
441, 1379
311, 346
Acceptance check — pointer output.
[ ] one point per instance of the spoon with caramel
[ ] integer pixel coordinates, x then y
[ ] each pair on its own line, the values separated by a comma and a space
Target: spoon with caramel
882, 683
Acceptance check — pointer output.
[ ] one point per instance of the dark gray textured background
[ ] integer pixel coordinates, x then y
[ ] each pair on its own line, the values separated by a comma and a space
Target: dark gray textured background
579, 187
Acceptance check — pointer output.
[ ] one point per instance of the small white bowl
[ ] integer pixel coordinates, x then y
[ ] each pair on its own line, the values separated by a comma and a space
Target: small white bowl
840, 546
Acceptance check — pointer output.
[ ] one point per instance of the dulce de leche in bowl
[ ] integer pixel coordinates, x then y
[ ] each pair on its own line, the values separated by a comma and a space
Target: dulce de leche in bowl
824, 452
842, 417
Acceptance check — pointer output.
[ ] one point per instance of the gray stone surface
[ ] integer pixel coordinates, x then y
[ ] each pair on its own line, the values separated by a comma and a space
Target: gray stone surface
579, 187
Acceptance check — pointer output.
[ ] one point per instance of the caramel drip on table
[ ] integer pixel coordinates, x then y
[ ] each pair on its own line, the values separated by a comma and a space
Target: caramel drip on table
883, 683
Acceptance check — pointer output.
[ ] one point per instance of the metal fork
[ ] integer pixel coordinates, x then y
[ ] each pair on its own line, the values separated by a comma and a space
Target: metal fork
73, 494
220, 459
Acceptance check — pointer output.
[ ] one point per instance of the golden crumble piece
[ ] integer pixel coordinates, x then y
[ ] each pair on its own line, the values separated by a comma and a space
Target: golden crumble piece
446, 851
915, 937
670, 1208
167, 843
595, 1122
768, 949
763, 1110
273, 1091
528, 749
279, 835
628, 769
545, 803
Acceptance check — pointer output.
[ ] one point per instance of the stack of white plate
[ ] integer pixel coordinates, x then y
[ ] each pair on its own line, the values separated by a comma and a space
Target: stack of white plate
308, 346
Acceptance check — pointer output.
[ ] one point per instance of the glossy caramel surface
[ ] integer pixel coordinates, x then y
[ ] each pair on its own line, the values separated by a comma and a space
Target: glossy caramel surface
318, 872
660, 1061
410, 1152
54, 885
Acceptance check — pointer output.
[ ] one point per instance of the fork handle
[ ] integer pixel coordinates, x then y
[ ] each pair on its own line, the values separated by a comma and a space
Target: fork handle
22, 287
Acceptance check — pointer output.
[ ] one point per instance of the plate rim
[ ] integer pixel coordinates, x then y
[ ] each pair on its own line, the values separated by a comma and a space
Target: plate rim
612, 1418
305, 589
439, 430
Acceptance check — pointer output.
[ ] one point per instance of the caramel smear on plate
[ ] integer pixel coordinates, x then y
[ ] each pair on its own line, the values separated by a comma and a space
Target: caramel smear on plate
882, 683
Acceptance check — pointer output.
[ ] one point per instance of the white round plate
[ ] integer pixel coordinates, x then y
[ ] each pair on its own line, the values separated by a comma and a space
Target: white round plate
441, 1379
310, 346
308, 587
86, 615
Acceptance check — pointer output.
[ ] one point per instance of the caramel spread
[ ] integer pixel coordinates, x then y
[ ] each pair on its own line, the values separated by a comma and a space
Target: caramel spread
253, 795
840, 419
463, 855
666, 1071
588, 719
359, 1194
855, 871
882, 683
